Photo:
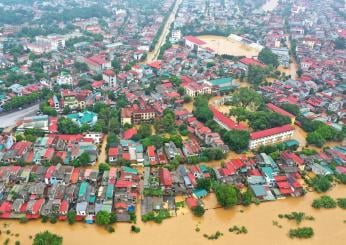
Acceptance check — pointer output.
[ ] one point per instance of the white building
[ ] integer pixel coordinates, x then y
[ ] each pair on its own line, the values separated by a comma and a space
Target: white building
110, 78
96, 137
64, 79
271, 136
176, 36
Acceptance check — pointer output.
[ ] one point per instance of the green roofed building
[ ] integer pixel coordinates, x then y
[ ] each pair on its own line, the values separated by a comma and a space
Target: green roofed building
82, 189
86, 117
200, 193
223, 84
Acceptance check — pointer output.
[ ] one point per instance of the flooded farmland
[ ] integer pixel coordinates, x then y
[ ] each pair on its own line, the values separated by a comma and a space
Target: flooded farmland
328, 226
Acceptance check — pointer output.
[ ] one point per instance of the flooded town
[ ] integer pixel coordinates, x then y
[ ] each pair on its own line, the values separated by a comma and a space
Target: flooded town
175, 121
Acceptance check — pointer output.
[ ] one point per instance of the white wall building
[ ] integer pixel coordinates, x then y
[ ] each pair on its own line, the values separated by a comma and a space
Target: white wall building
271, 136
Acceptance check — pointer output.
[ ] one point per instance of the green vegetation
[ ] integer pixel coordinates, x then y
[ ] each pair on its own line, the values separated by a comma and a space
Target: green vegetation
157, 217
135, 229
246, 198
303, 232
237, 140
341, 203
214, 236
319, 133
322, 183
204, 183
324, 202
201, 109
198, 211
153, 192
71, 217
298, 217
341, 178
247, 98
238, 230
103, 167
47, 238
267, 57
226, 195
67, 126
105, 218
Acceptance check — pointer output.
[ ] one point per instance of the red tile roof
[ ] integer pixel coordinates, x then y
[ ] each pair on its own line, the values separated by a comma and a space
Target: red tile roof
271, 131
113, 151
194, 40
128, 134
280, 111
228, 122
165, 177
251, 61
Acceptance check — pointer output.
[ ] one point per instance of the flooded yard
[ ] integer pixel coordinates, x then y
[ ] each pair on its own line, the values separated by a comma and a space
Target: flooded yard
328, 226
224, 45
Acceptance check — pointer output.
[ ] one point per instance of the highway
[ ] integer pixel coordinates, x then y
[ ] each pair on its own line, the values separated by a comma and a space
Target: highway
10, 119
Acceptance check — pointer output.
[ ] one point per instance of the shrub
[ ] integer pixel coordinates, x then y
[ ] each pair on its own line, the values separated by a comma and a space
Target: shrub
135, 229
324, 202
198, 211
23, 220
341, 203
238, 230
298, 217
110, 228
321, 183
44, 219
303, 232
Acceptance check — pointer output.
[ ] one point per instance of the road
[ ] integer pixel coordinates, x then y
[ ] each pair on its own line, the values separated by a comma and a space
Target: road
152, 56
9, 120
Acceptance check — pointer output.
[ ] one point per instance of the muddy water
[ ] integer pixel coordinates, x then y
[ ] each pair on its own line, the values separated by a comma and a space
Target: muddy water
223, 45
328, 226
270, 5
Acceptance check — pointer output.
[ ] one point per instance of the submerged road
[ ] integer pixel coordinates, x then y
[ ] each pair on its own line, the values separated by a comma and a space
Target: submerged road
10, 119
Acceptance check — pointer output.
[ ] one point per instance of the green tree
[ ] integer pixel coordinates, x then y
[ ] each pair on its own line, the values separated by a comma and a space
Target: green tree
247, 98
201, 109
237, 140
204, 183
198, 211
47, 238
71, 217
67, 126
247, 198
103, 167
267, 57
103, 218
226, 195
239, 113
315, 138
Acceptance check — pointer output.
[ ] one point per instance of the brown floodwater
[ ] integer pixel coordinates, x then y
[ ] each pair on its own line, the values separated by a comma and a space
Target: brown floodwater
224, 45
329, 226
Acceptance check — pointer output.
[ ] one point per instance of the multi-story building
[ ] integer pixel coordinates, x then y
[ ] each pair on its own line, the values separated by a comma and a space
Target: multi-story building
271, 136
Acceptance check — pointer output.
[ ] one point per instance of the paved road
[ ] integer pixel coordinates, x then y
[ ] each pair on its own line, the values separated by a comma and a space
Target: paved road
152, 56
9, 120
